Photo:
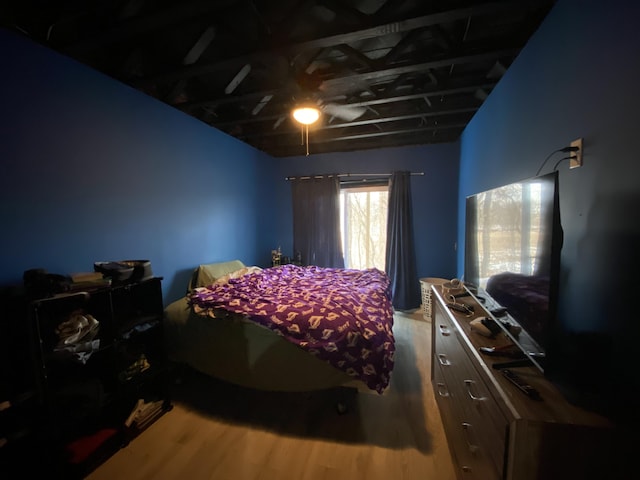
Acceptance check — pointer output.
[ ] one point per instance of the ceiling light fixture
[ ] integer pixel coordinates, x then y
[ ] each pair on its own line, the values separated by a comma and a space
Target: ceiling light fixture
305, 116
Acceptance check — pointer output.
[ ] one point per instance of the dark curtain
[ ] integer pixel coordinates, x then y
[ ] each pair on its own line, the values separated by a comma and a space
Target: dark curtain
316, 221
400, 254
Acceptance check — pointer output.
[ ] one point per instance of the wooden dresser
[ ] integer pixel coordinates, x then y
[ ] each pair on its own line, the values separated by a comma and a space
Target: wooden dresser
494, 430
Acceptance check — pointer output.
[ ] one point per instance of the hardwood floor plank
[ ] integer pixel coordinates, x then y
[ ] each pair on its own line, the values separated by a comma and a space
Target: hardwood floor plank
221, 431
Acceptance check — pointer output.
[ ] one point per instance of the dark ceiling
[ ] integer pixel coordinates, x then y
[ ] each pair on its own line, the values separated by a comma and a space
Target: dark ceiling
385, 72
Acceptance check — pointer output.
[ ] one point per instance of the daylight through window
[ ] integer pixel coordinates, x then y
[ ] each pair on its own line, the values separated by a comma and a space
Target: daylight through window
363, 216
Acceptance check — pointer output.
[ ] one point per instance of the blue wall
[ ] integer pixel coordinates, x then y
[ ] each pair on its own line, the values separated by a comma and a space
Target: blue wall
93, 170
434, 195
578, 77
96, 171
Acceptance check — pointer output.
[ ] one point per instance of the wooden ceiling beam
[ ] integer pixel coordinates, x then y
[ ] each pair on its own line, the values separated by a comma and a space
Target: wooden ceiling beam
345, 12
356, 55
330, 41
406, 62
367, 103
277, 149
362, 141
281, 32
136, 26
419, 67
398, 118
375, 122
407, 41
414, 96
254, 96
343, 138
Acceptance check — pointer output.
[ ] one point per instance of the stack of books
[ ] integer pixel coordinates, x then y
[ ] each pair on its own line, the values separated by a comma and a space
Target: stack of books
144, 413
88, 280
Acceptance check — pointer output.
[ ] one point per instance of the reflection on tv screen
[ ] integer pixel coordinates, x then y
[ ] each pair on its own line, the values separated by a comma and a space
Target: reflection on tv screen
512, 249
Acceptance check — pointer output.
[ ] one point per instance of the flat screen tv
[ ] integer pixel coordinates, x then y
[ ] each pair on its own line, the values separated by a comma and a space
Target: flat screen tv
513, 239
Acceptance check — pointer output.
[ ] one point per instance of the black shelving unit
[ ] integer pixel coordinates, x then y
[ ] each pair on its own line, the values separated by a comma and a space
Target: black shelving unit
18, 402
101, 372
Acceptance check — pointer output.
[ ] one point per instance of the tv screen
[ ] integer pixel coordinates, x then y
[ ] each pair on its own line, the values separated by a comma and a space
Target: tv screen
513, 239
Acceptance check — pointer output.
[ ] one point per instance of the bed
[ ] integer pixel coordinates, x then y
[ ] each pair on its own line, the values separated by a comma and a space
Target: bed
286, 328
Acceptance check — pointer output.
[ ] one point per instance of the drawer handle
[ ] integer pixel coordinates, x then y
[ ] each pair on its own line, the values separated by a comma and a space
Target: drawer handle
444, 361
467, 428
444, 330
442, 389
469, 384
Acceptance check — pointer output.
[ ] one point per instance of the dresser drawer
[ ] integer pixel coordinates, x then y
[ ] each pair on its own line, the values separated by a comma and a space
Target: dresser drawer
483, 438
475, 398
480, 424
464, 380
493, 431
470, 460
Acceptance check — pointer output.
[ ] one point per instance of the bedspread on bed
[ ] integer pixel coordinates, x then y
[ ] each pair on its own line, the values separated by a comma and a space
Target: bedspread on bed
342, 316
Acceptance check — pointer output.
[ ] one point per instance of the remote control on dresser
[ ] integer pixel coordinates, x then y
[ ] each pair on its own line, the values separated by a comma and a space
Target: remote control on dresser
521, 384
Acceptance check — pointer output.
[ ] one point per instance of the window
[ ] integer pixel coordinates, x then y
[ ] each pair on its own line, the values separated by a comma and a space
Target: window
363, 216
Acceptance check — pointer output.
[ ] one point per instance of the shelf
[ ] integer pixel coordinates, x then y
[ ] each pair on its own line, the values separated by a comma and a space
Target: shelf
87, 396
138, 326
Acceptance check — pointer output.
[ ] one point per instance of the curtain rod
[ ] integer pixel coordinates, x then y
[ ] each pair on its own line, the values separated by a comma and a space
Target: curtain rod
356, 175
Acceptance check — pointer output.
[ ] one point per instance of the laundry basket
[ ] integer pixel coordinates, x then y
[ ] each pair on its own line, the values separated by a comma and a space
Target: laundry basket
425, 286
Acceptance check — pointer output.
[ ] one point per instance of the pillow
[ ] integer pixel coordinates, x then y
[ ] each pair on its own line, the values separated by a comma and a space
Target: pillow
207, 274
237, 273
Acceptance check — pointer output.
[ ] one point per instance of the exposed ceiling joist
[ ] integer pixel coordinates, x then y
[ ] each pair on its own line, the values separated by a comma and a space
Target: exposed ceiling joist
386, 72
344, 38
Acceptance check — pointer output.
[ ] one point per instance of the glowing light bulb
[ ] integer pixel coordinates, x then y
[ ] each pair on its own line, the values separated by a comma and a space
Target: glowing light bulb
306, 115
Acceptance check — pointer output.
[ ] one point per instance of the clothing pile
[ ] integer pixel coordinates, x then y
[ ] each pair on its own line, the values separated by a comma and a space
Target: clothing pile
76, 336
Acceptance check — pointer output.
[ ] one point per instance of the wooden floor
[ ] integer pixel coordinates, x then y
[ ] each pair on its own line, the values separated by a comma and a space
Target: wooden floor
220, 431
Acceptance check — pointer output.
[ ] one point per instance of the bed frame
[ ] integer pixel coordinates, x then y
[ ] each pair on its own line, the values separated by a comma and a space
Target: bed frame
240, 351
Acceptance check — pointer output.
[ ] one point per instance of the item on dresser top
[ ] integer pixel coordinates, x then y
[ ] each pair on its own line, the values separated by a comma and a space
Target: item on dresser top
485, 326
498, 312
461, 308
511, 328
472, 287
452, 287
510, 351
489, 327
523, 386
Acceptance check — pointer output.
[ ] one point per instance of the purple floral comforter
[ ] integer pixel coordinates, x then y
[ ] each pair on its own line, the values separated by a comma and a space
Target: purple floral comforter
342, 316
